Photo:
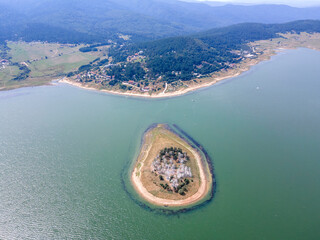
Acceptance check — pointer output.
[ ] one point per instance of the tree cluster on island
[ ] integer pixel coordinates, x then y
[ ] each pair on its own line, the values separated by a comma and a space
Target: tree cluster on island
170, 166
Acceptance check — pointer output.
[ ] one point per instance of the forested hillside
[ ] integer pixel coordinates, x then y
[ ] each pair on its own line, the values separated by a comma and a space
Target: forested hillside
183, 58
84, 21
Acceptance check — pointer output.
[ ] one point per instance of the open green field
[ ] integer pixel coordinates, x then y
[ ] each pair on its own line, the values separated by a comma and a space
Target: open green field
6, 74
46, 61
289, 41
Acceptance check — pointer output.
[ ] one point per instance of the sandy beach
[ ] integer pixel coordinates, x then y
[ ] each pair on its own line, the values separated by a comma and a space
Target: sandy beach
267, 48
212, 81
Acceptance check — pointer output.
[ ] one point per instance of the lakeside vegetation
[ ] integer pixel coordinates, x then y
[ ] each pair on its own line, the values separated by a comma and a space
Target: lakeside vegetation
174, 63
162, 66
184, 58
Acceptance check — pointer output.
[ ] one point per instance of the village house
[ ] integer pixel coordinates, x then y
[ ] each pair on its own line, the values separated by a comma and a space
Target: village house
132, 82
4, 62
145, 89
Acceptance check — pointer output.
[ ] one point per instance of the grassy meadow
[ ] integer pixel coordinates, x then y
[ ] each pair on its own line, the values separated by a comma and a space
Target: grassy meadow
47, 61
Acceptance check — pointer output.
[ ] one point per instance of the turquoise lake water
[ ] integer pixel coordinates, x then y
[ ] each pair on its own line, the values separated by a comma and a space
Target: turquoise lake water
63, 149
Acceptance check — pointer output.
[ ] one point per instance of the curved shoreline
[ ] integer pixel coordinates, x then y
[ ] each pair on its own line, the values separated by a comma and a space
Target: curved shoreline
212, 80
245, 66
162, 94
265, 49
202, 192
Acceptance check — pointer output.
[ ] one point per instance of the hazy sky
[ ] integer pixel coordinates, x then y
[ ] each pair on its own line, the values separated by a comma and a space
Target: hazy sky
299, 3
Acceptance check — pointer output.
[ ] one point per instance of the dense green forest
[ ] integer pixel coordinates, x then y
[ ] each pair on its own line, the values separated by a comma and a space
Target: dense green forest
95, 21
183, 58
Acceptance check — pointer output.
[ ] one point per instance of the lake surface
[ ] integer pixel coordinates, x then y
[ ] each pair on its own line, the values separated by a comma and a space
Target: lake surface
63, 149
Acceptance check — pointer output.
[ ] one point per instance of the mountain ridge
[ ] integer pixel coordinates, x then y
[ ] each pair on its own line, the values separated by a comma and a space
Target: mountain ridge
142, 19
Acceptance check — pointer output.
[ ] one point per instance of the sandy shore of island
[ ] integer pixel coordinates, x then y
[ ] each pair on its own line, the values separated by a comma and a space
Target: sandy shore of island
202, 192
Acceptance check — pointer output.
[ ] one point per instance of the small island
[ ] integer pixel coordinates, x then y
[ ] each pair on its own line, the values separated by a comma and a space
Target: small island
169, 172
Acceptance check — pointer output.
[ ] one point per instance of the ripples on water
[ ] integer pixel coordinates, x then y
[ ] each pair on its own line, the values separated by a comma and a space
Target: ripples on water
62, 150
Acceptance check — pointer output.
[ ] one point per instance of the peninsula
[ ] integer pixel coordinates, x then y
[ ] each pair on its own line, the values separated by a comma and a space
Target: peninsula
112, 78
161, 68
169, 172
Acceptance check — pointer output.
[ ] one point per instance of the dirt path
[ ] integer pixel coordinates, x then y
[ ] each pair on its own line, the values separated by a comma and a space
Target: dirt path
165, 89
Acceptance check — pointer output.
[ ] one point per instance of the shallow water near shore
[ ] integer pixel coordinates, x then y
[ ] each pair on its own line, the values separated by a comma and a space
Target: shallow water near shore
62, 151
